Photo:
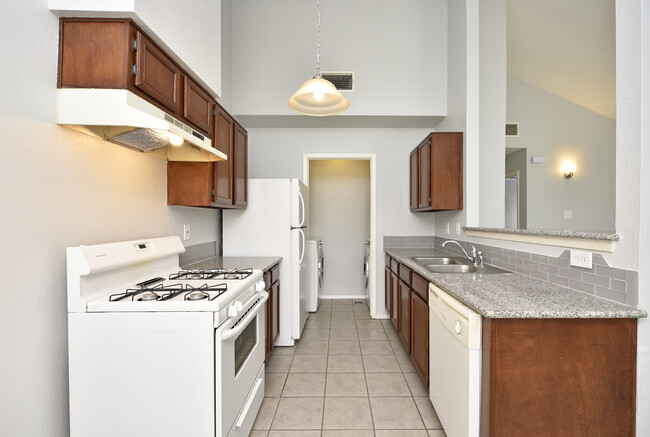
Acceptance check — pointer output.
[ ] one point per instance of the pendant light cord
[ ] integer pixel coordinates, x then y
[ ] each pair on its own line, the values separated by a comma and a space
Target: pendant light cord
318, 73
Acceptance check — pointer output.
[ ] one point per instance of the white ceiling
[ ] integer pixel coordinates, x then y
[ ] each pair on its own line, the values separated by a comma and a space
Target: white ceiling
567, 48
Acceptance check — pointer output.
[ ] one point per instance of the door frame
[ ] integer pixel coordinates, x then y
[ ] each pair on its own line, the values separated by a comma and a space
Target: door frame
372, 158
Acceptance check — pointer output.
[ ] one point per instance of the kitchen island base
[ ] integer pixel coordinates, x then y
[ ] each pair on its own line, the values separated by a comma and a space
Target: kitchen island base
558, 377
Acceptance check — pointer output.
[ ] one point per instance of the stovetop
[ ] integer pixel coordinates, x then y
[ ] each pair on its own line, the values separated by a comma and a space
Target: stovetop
180, 290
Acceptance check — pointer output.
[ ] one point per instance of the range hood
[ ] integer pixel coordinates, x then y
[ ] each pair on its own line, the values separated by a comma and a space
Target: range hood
122, 117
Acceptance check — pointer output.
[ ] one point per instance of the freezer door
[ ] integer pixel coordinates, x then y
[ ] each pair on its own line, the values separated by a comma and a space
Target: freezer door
299, 204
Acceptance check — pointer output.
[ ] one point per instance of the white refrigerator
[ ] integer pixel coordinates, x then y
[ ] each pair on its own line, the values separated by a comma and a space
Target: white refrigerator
275, 223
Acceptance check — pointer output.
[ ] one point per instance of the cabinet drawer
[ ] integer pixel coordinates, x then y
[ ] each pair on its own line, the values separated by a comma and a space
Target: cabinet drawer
394, 266
388, 259
275, 273
405, 274
156, 74
420, 286
198, 106
267, 280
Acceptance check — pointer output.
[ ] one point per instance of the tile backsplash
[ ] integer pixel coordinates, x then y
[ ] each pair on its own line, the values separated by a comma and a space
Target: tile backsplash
601, 280
198, 252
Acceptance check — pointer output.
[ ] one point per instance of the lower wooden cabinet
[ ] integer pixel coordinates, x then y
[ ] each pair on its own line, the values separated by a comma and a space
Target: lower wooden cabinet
420, 336
406, 295
387, 296
404, 330
558, 377
394, 298
272, 282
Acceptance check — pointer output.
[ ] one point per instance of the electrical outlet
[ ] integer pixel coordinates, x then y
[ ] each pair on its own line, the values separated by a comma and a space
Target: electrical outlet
580, 259
447, 228
186, 232
568, 214
457, 228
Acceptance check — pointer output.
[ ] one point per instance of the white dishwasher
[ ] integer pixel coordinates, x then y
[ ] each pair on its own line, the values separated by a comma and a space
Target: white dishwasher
454, 364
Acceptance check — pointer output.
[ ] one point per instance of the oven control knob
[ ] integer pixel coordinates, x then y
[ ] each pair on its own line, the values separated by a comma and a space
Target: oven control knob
238, 305
232, 311
260, 285
457, 327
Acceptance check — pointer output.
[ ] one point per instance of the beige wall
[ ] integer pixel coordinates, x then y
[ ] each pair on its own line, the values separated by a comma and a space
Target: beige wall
58, 188
339, 214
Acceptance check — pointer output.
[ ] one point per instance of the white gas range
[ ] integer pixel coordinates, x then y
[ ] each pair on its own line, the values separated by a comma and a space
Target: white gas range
159, 351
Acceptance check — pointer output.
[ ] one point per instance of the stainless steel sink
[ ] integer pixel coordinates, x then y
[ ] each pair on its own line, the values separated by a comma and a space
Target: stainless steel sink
438, 260
464, 268
442, 264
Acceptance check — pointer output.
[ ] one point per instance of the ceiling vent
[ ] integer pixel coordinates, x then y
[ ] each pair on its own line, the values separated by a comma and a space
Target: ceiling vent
342, 80
512, 129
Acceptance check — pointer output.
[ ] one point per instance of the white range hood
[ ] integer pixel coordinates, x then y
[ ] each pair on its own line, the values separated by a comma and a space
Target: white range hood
122, 117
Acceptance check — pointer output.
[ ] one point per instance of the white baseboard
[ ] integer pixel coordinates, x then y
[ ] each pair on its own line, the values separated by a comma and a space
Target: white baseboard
345, 296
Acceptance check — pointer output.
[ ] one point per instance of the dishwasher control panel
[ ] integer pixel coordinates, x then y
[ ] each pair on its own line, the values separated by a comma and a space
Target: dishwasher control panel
463, 322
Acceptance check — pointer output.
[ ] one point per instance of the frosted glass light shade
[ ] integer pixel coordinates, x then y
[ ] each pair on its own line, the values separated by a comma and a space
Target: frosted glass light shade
318, 97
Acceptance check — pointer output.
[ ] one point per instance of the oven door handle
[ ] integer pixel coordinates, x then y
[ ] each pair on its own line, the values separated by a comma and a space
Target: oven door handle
235, 331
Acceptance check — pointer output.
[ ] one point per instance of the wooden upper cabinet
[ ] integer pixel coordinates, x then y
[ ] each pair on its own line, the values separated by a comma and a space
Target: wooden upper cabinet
223, 170
424, 172
156, 74
439, 173
94, 54
240, 166
198, 106
414, 191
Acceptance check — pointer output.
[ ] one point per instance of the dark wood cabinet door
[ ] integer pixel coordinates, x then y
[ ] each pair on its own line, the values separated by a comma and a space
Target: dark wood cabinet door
404, 330
198, 106
424, 164
156, 74
420, 336
240, 166
275, 318
446, 166
394, 315
414, 191
223, 170
387, 296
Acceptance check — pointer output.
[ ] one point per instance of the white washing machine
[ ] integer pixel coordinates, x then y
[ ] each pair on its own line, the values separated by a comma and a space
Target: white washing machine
314, 273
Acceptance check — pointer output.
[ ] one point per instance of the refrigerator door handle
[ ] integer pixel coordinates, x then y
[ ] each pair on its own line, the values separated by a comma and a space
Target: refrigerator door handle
302, 208
302, 253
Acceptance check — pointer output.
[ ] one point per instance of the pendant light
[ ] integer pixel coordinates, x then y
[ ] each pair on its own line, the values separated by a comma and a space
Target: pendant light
318, 97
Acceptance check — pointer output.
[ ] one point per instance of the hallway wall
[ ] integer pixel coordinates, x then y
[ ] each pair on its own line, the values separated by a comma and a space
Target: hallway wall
339, 214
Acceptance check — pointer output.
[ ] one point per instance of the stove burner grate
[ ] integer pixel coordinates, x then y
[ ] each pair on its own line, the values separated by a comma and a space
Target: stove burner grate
202, 292
166, 292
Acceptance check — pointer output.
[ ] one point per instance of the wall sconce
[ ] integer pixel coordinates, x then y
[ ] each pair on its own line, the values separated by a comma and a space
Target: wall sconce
568, 168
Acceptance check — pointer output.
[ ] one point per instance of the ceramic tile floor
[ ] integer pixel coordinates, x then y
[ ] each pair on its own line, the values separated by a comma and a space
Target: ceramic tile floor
349, 376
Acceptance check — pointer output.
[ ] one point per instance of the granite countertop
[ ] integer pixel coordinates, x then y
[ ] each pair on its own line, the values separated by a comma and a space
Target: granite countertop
548, 233
515, 295
234, 262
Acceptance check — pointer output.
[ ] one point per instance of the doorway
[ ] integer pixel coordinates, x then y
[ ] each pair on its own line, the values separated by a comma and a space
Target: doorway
512, 201
342, 191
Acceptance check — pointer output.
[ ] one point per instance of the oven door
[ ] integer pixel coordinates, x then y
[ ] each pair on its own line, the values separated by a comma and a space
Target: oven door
239, 347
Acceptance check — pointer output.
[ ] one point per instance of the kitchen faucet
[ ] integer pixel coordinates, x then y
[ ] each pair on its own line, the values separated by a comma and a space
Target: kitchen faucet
476, 258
